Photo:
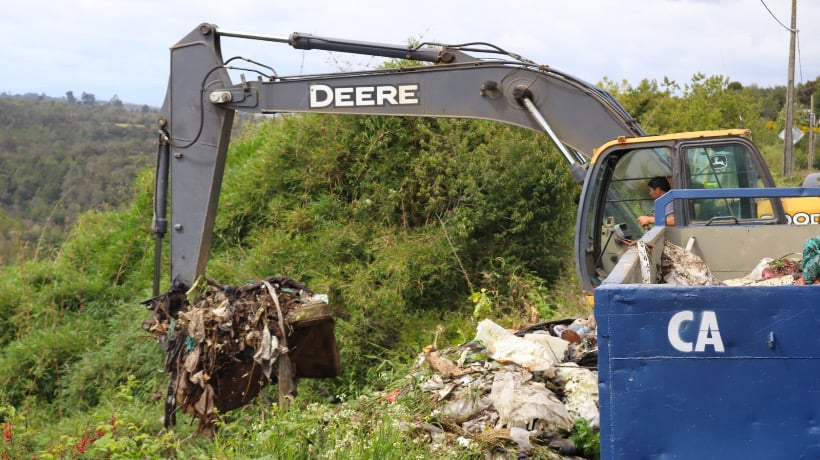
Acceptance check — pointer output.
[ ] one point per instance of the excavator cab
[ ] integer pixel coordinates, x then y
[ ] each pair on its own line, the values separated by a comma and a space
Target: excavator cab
615, 192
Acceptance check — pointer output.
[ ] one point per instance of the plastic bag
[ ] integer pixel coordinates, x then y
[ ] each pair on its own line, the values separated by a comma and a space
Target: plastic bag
581, 392
811, 260
504, 346
521, 404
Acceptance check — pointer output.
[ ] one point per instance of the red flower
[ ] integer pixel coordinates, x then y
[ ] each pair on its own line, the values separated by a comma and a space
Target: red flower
81, 446
7, 431
392, 396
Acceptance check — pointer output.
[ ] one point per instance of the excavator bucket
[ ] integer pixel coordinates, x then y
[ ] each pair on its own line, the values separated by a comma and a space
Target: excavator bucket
222, 344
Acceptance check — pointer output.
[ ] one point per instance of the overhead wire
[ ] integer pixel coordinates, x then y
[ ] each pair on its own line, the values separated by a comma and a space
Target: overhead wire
776, 19
796, 33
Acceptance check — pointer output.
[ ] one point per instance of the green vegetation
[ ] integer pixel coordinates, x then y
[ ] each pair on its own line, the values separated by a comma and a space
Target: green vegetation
416, 228
58, 160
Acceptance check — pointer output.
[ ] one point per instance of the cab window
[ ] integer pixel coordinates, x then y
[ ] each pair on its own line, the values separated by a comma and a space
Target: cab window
622, 194
723, 166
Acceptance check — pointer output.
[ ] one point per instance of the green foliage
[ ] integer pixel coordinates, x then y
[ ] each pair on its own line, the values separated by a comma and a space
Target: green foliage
58, 160
31, 367
705, 103
587, 440
483, 303
322, 431
88, 379
17, 438
61, 313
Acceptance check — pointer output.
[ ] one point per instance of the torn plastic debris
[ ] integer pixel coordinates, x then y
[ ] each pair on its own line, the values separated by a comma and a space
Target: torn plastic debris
521, 436
520, 403
580, 392
811, 261
493, 399
504, 346
769, 272
683, 268
464, 408
555, 346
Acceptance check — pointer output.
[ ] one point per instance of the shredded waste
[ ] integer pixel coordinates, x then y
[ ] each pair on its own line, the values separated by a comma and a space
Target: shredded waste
222, 343
684, 268
524, 388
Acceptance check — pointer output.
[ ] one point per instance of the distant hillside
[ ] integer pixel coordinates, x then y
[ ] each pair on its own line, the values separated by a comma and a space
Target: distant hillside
59, 159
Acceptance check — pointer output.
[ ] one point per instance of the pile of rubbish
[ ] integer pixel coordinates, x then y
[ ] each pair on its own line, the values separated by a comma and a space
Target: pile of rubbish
681, 267
522, 388
222, 342
771, 272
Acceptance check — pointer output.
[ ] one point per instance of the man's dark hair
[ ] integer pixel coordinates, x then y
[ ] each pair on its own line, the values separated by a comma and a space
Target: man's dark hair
659, 182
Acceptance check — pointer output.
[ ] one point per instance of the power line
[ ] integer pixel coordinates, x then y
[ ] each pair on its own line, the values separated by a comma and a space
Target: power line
788, 29
775, 18
799, 61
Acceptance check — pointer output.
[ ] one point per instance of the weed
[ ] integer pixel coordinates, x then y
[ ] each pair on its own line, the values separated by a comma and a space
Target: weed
587, 440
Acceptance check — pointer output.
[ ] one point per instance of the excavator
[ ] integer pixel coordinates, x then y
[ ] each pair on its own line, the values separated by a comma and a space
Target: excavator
609, 154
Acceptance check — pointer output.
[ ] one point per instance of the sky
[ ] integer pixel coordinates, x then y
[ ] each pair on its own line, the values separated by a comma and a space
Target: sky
121, 47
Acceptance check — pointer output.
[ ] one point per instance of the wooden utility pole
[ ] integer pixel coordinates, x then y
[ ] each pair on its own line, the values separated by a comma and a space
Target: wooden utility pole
788, 147
812, 122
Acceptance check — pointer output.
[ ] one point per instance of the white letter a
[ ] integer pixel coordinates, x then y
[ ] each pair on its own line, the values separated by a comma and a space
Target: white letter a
709, 333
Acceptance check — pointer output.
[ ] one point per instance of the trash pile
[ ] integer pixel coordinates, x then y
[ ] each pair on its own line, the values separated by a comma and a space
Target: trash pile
771, 272
222, 342
683, 268
680, 267
526, 387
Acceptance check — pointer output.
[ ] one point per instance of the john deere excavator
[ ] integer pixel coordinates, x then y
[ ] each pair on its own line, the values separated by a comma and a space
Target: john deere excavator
609, 154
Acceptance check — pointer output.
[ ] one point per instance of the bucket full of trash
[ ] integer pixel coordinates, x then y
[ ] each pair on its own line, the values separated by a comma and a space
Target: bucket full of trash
223, 343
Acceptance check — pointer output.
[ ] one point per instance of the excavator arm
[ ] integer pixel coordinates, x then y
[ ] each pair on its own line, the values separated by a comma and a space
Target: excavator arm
197, 115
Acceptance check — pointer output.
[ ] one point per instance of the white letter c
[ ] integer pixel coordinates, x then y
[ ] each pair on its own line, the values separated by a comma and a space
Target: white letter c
673, 331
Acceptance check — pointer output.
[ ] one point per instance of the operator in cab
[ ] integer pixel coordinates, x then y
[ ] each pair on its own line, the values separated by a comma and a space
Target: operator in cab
658, 186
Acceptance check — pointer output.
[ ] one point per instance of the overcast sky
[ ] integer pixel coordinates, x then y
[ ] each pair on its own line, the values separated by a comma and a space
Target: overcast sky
120, 47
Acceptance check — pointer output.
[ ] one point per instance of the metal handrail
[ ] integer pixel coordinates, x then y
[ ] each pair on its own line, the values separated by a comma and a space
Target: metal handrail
677, 194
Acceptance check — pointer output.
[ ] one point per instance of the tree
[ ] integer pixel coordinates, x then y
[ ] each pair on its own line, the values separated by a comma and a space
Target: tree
69, 95
804, 91
88, 99
647, 102
705, 103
